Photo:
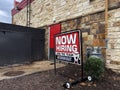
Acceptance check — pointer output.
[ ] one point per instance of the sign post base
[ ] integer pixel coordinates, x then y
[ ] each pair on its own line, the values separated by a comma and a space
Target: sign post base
69, 85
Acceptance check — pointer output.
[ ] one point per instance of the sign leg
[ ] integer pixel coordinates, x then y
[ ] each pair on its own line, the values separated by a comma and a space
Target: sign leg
81, 58
54, 64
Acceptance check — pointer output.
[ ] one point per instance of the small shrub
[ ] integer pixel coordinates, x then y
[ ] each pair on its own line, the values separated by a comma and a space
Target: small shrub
94, 67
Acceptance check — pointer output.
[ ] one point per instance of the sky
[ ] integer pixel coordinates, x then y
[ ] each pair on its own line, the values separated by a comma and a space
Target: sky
5, 10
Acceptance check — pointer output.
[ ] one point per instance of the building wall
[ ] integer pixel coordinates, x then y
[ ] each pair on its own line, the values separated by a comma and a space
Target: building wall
93, 30
87, 15
113, 50
44, 11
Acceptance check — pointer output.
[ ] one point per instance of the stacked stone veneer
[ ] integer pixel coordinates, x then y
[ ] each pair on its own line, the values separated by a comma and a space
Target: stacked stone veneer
113, 50
87, 15
93, 30
44, 11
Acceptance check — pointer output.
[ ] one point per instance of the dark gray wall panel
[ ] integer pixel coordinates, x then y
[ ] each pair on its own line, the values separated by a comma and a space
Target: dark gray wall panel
20, 46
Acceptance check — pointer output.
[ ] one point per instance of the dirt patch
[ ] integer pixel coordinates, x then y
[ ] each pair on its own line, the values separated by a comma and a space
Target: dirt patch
51, 63
34, 67
14, 73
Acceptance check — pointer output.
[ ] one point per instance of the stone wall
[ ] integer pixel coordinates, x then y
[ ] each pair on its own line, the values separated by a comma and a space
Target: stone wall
44, 11
20, 18
113, 50
87, 15
93, 30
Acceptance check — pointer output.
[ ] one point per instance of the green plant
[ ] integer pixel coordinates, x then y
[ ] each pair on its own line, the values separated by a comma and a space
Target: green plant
94, 67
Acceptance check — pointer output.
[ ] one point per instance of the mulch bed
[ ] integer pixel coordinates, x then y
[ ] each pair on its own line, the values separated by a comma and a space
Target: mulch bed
49, 81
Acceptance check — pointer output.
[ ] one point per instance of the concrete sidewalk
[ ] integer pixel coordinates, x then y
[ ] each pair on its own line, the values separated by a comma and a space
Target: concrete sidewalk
28, 69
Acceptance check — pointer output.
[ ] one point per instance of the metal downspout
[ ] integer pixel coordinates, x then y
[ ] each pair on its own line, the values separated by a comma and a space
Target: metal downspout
106, 26
106, 18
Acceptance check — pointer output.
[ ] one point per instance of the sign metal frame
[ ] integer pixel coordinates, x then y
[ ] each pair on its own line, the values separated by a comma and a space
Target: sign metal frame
80, 49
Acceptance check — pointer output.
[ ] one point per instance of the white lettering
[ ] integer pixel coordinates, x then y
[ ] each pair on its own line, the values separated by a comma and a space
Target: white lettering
63, 40
67, 48
71, 39
66, 39
58, 40
75, 49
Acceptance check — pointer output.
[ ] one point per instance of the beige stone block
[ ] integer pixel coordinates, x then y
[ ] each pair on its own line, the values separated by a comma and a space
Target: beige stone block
95, 26
90, 37
114, 41
88, 43
85, 39
114, 29
111, 46
85, 19
110, 24
85, 34
113, 52
93, 31
86, 3
117, 13
117, 45
116, 24
111, 14
115, 58
99, 5
113, 35
108, 57
114, 67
